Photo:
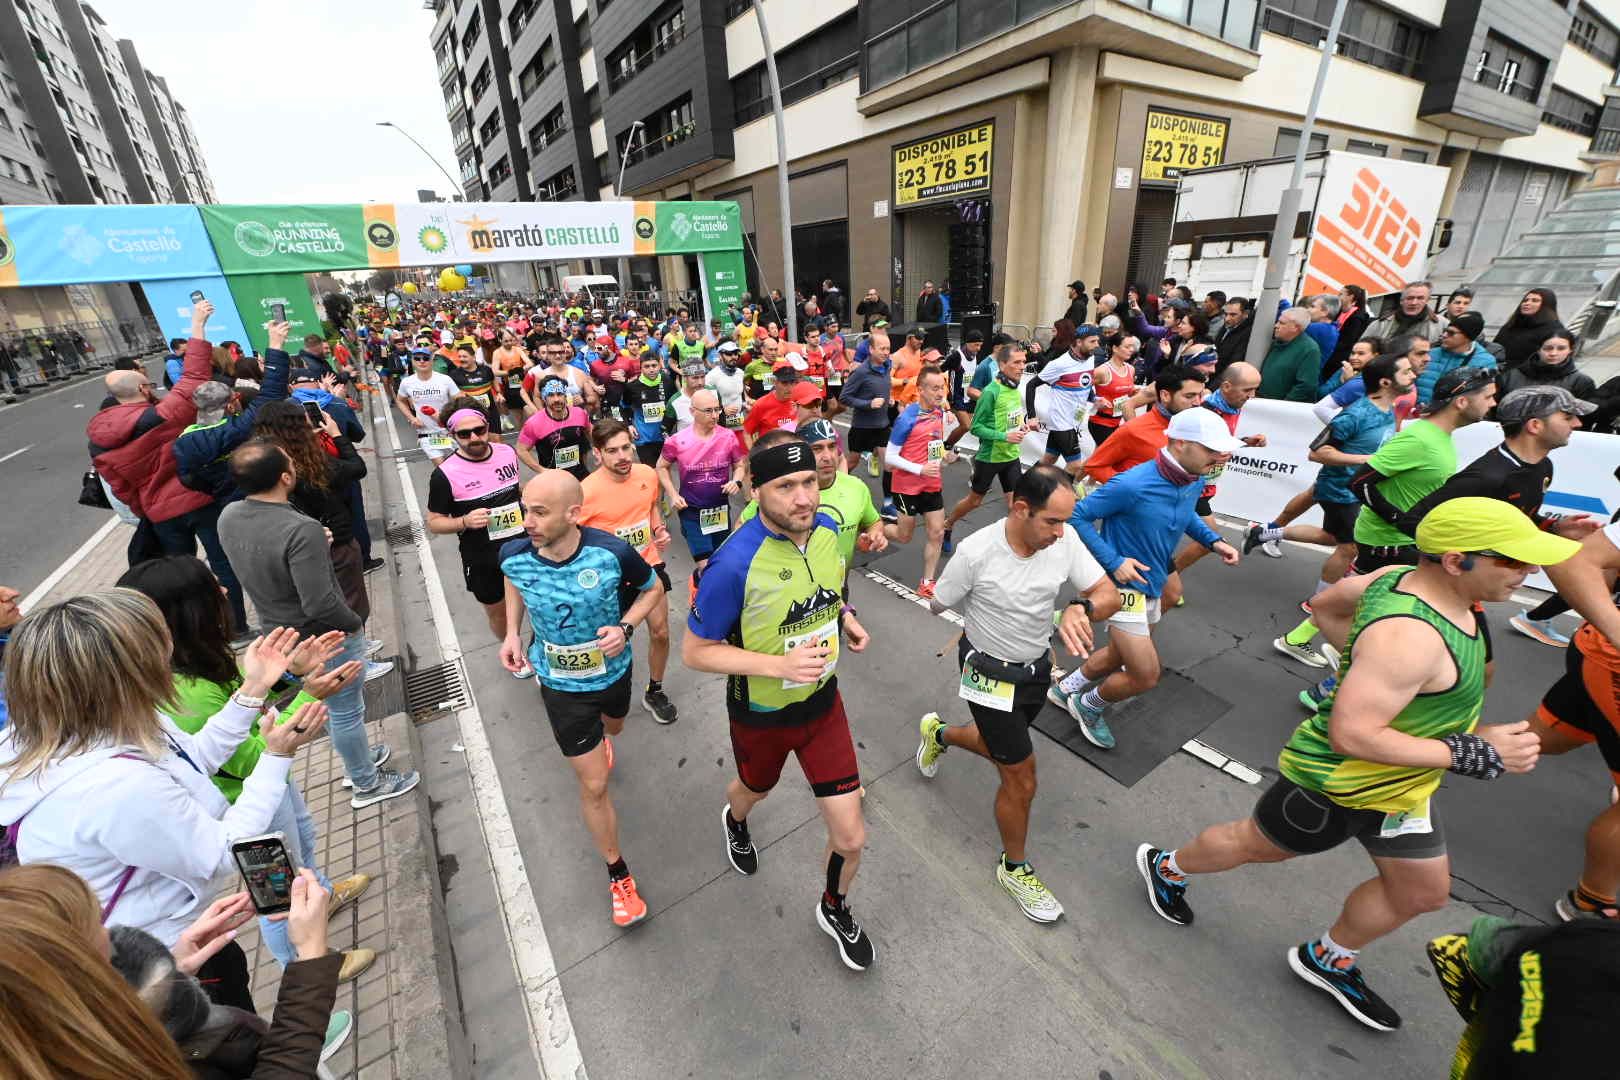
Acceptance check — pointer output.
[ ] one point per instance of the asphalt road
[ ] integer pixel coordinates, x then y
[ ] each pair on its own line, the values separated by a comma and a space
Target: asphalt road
729, 976
43, 454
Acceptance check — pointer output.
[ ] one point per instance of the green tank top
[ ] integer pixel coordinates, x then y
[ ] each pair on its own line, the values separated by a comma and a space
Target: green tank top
690, 352
1309, 759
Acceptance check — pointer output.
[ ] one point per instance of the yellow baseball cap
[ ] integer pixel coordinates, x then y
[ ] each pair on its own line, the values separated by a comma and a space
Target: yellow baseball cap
1490, 525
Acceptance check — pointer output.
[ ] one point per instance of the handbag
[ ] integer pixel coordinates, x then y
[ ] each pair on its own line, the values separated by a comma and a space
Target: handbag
91, 492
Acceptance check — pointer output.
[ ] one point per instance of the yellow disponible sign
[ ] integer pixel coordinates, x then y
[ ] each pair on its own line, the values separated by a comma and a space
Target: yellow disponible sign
945, 166
1177, 142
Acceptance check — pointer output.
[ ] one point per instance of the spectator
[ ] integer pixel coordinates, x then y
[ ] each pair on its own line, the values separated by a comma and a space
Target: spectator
1460, 300
945, 301
871, 309
1353, 320
1324, 326
10, 614
930, 309
1534, 322
131, 446
1458, 347
832, 300
281, 557
205, 677
1551, 365
1412, 316
174, 362
1078, 301
1293, 365
1190, 345
1238, 322
98, 781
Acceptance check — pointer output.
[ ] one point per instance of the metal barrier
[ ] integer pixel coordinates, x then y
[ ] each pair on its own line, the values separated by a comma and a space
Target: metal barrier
37, 355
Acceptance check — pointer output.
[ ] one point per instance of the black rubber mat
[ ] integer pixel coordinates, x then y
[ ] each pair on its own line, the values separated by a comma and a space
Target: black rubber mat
1148, 729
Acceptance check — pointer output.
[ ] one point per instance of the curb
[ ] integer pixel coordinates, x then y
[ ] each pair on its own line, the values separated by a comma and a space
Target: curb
429, 1042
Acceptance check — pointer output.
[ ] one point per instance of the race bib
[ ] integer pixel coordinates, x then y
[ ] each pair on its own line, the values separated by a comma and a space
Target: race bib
505, 521
438, 442
1413, 821
826, 633
567, 457
515, 380
637, 535
1080, 412
714, 519
1132, 606
981, 689
1015, 419
936, 450
835, 380
652, 411
1215, 473
575, 661
817, 381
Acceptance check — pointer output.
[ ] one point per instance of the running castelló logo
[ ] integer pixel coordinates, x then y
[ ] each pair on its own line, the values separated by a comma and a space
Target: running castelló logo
254, 238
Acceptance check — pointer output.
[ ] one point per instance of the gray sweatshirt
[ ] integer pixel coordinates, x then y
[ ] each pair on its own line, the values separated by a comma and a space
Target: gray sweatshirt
280, 557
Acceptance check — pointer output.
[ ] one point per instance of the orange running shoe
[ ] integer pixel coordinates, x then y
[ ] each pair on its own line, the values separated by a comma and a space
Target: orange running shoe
628, 906
925, 588
607, 742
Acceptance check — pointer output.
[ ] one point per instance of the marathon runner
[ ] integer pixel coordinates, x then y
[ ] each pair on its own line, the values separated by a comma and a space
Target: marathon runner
474, 379
621, 497
646, 407
1175, 388
1114, 384
712, 466
776, 409
1239, 382
510, 364
692, 379
585, 591
726, 379
1000, 424
844, 498
423, 394
768, 616
866, 395
553, 354
956, 365
474, 494
688, 348
1005, 578
1069, 378
1143, 512
1367, 763
917, 450
558, 436
1419, 458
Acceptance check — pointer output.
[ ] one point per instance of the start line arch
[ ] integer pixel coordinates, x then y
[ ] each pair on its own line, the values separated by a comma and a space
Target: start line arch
245, 258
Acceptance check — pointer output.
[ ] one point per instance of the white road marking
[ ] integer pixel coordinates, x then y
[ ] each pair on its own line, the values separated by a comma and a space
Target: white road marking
16, 453
552, 1039
68, 564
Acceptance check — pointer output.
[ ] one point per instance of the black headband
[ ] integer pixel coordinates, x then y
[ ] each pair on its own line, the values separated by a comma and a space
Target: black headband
780, 460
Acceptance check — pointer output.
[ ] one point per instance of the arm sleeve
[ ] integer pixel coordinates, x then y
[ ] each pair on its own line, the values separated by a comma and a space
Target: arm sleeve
1099, 504
896, 460
311, 567
1364, 486
197, 369
633, 569
1103, 464
274, 386
292, 1046
983, 427
439, 500
956, 582
217, 739
1199, 532
718, 606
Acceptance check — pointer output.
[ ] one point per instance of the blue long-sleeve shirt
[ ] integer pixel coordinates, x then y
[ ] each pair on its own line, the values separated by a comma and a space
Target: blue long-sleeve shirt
1143, 516
861, 386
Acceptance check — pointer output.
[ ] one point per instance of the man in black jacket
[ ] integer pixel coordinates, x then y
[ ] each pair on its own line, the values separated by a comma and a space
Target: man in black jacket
930, 308
872, 308
1234, 341
1078, 302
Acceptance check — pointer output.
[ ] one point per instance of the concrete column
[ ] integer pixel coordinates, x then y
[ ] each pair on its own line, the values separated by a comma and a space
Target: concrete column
1070, 104
1018, 287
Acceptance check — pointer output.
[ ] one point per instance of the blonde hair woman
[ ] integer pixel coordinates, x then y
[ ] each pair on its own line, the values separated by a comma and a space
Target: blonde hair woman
98, 781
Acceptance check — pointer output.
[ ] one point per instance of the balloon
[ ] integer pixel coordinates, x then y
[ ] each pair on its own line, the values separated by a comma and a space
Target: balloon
450, 281
464, 269
408, 287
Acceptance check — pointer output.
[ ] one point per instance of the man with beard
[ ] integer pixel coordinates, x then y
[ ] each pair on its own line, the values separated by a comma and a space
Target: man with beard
558, 435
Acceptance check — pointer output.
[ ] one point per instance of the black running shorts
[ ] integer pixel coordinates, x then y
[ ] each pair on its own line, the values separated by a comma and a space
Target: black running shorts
1306, 822
576, 717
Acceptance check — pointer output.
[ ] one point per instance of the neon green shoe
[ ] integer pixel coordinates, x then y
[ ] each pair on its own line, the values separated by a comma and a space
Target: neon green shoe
873, 465
1032, 895
929, 748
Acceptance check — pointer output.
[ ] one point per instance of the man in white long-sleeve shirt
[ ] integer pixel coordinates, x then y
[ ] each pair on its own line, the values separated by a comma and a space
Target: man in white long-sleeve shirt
1069, 378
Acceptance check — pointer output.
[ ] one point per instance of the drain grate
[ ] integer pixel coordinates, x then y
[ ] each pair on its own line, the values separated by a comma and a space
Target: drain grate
413, 453
406, 533
440, 688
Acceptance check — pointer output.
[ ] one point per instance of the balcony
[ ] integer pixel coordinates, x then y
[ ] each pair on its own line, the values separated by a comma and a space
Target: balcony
655, 144
622, 69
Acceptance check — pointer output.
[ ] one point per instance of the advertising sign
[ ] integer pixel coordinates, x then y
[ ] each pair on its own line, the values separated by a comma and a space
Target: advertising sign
271, 239
1177, 141
254, 295
43, 245
944, 167
683, 227
724, 282
1374, 219
171, 304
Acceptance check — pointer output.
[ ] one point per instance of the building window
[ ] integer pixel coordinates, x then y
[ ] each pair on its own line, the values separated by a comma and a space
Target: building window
810, 65
522, 12
535, 72
1359, 146
548, 130
487, 130
558, 187
601, 168
1419, 156
469, 169
669, 126
660, 33
1288, 142
1571, 113
593, 103
1369, 33
737, 8
480, 82
1509, 69
500, 171
475, 30
1591, 34
582, 31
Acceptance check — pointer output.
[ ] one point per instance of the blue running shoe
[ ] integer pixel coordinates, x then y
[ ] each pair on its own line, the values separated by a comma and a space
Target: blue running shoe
1312, 696
1092, 724
1345, 983
1167, 894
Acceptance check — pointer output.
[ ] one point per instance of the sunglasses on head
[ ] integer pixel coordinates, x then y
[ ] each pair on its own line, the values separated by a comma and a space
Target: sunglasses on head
468, 433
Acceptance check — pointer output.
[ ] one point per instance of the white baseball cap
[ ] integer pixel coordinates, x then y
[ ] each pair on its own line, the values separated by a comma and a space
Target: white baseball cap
1202, 426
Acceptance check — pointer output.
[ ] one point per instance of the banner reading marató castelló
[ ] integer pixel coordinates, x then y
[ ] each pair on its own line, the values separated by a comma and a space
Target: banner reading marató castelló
277, 239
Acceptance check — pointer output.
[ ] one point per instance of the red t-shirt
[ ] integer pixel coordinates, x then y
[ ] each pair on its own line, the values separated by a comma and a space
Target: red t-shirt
771, 412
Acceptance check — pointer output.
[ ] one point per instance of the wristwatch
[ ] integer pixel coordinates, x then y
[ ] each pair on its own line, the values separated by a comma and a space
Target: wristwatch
628, 630
1085, 603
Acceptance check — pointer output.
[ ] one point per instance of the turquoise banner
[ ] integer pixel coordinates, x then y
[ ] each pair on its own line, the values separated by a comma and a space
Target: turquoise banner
75, 245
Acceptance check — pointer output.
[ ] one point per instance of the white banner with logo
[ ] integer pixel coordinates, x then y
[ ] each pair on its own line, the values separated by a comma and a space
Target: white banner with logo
510, 232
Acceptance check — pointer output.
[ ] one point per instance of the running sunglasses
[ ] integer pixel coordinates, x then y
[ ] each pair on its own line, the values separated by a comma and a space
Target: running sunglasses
1506, 562
467, 433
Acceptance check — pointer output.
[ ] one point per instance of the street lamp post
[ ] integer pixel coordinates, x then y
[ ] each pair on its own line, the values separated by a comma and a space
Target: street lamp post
782, 185
618, 191
454, 184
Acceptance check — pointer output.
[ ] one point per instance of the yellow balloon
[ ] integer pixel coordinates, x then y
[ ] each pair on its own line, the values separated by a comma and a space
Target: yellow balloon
408, 287
450, 281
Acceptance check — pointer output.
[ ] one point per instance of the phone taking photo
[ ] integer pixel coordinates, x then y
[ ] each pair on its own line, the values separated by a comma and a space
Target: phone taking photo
268, 872
197, 296
278, 312
317, 419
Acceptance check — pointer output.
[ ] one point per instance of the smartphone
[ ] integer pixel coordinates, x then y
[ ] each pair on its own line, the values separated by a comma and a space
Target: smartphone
316, 419
267, 871
196, 296
278, 312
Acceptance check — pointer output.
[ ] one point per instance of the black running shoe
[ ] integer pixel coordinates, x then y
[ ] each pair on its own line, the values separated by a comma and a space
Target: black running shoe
657, 703
373, 564
1167, 897
1251, 539
1346, 985
739, 845
854, 947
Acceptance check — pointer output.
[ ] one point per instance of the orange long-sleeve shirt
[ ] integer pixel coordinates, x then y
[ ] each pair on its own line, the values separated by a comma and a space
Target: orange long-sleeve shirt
1137, 440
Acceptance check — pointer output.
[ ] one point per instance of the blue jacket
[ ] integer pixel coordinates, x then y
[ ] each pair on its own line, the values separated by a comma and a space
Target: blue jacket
335, 407
1441, 361
201, 452
861, 385
1144, 516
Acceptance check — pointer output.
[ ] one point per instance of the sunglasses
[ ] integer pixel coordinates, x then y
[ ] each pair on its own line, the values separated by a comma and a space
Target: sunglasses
1506, 562
468, 433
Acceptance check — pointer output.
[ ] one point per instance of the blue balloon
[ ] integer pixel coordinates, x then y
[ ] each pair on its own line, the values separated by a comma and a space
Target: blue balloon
464, 269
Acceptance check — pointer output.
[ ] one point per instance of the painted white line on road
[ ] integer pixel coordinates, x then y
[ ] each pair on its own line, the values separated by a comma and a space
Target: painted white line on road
16, 453
552, 1038
68, 565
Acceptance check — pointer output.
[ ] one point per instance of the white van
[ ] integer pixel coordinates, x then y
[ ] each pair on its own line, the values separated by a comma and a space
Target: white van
603, 289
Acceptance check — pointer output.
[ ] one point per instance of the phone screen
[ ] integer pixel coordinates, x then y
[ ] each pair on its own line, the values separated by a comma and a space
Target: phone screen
278, 312
267, 871
313, 411
196, 296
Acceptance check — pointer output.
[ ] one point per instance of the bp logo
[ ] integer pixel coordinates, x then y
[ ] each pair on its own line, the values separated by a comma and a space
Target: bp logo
681, 226
381, 235
645, 228
432, 238
7, 252
255, 238
588, 579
